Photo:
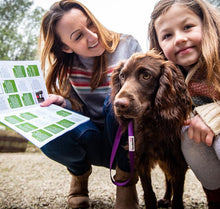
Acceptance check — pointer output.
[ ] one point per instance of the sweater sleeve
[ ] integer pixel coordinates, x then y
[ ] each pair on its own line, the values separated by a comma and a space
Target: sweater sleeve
210, 113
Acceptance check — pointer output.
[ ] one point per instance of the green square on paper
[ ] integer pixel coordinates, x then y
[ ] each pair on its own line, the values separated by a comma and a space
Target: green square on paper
14, 101
32, 70
19, 71
10, 86
41, 135
53, 128
26, 127
27, 99
63, 113
13, 119
28, 115
66, 123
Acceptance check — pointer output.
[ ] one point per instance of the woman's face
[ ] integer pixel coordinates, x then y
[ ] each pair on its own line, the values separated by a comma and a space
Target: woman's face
79, 34
179, 33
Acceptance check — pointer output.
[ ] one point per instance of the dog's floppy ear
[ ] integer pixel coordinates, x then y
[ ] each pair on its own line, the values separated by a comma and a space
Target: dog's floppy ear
172, 100
115, 82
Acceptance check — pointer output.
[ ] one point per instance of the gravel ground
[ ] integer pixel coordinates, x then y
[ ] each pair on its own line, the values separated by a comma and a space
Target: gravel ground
30, 180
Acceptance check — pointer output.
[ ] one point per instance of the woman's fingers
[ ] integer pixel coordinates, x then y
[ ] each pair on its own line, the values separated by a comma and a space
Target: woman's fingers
54, 99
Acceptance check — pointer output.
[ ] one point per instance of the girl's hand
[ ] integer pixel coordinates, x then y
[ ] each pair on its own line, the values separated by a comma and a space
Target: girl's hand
199, 131
54, 99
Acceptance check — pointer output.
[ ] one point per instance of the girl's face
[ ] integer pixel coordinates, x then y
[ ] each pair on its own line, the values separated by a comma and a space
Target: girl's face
179, 33
79, 34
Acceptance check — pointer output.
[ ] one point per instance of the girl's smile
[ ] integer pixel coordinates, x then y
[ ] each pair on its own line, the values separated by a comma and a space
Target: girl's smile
184, 51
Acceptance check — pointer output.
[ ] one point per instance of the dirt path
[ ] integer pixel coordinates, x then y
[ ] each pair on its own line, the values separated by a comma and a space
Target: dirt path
31, 180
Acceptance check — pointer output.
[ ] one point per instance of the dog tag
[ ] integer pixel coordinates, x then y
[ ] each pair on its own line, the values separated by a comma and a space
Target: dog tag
131, 143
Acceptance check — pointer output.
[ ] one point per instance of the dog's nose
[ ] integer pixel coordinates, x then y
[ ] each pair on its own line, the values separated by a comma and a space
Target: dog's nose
121, 104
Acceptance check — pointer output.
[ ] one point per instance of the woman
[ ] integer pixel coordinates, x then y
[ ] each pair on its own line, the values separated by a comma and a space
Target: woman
81, 54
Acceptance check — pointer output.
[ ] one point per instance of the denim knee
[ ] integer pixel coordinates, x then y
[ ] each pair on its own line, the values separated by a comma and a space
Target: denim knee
69, 150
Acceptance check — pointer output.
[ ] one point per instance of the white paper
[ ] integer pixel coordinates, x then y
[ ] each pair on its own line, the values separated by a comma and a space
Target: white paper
22, 89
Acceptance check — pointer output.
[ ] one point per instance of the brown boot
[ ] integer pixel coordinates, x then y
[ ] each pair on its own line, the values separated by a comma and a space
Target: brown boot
78, 195
213, 198
126, 196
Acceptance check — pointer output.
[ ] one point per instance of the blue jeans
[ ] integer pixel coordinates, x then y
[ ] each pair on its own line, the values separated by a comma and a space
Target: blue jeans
88, 145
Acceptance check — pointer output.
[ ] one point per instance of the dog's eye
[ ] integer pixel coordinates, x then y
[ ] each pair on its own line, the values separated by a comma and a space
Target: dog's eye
146, 75
122, 76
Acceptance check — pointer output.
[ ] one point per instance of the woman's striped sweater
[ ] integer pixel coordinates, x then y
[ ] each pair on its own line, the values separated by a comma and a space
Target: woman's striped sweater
80, 75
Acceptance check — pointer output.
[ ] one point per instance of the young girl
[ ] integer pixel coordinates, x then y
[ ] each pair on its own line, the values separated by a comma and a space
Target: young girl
187, 32
81, 54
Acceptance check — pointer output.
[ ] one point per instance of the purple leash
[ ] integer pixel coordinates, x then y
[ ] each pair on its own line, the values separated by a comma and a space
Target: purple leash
131, 151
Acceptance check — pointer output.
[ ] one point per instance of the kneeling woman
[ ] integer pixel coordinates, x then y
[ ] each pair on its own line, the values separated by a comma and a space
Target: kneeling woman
82, 54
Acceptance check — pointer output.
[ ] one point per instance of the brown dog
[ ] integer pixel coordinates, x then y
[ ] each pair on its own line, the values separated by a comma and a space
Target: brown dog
152, 92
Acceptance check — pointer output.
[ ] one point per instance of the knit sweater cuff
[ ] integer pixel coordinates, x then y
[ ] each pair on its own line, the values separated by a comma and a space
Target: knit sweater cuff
68, 104
210, 113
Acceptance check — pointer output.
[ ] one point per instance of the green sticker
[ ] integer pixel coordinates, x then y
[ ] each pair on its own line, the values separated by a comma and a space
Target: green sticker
66, 123
10, 86
26, 127
53, 128
28, 115
14, 101
32, 70
63, 113
41, 135
13, 119
27, 99
19, 71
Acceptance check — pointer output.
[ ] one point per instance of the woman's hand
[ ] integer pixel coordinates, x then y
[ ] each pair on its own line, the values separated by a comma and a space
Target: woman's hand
54, 99
199, 131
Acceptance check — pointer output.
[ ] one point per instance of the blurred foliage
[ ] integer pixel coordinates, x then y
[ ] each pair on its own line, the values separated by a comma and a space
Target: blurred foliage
215, 2
19, 29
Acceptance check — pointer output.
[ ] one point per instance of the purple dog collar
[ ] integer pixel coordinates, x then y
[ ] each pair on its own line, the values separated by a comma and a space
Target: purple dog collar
131, 152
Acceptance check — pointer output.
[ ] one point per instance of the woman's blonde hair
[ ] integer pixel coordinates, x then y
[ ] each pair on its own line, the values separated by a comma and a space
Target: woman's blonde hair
210, 16
59, 62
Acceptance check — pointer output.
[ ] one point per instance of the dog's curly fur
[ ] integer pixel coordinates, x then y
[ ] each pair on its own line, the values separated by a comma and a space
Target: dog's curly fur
151, 91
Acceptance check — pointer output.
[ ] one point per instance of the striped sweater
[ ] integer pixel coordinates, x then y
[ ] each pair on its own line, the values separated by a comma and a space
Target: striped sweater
80, 75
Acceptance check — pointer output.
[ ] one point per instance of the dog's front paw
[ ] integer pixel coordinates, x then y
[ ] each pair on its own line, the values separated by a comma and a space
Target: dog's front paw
163, 203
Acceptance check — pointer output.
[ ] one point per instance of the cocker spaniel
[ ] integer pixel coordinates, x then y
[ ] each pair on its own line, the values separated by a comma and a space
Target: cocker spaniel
151, 91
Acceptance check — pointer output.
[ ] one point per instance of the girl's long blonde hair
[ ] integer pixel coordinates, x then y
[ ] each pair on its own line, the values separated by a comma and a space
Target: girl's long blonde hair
59, 62
210, 16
